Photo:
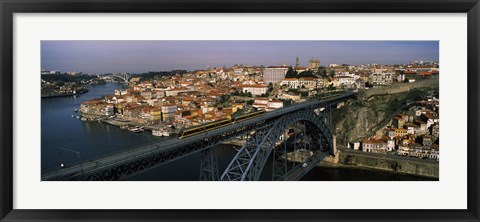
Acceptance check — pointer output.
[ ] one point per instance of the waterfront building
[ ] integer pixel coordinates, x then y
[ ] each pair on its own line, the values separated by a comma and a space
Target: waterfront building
168, 112
374, 146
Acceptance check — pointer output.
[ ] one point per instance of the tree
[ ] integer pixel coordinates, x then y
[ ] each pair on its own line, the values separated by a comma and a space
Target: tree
332, 73
331, 87
306, 74
291, 73
239, 112
324, 73
287, 102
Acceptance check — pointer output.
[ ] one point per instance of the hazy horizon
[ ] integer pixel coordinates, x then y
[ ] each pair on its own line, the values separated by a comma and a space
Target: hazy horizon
113, 56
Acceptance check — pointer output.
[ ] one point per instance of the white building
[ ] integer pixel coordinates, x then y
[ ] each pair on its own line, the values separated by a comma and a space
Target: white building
260, 103
255, 89
274, 74
274, 104
381, 79
48, 72
169, 108
306, 82
238, 71
346, 80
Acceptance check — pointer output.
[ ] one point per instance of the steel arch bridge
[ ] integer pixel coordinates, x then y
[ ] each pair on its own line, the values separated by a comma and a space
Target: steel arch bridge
249, 162
123, 76
263, 132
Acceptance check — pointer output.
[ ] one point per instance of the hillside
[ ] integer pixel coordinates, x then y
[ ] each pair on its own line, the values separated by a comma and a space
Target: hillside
374, 108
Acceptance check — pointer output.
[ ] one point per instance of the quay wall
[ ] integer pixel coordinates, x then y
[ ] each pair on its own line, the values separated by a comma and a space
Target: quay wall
395, 164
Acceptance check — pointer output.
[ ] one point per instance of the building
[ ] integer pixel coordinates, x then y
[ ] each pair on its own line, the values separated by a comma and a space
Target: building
260, 103
255, 89
274, 104
346, 80
48, 72
398, 122
375, 146
314, 64
410, 127
168, 111
381, 79
303, 82
400, 132
292, 83
274, 74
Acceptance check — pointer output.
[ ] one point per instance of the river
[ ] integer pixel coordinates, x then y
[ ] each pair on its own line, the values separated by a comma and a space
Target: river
64, 136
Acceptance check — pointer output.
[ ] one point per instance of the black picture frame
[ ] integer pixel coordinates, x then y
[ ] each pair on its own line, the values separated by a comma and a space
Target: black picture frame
9, 7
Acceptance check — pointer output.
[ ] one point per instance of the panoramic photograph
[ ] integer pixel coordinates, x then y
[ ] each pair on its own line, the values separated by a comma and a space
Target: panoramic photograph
238, 110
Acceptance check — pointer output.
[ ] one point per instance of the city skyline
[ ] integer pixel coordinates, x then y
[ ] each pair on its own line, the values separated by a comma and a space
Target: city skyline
162, 55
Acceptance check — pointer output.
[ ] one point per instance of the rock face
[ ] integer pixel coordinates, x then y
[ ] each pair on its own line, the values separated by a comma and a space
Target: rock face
371, 111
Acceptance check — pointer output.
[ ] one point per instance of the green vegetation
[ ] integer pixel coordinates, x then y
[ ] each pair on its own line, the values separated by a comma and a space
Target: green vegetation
239, 112
223, 101
240, 93
331, 87
291, 73
61, 79
157, 75
294, 74
287, 102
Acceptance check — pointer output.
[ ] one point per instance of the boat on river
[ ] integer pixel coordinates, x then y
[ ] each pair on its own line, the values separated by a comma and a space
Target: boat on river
166, 133
160, 132
157, 132
136, 129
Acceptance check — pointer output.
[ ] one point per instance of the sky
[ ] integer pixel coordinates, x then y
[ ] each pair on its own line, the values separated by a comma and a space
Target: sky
162, 55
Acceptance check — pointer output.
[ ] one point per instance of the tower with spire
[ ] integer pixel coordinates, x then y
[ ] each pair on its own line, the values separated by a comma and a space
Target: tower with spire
297, 63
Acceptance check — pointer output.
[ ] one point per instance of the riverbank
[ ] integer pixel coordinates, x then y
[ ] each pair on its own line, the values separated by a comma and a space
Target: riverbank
345, 159
65, 94
388, 163
125, 123
235, 142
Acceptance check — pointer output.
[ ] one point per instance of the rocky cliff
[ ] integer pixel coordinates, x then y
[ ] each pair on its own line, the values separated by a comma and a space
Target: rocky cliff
374, 108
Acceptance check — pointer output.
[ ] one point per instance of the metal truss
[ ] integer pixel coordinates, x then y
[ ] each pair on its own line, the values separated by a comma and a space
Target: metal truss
252, 157
155, 157
208, 165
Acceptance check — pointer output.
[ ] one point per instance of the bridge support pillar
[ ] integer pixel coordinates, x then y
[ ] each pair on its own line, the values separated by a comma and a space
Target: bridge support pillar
334, 142
208, 165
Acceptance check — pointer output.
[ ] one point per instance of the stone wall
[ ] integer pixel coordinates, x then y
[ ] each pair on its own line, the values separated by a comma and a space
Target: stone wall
404, 165
399, 87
